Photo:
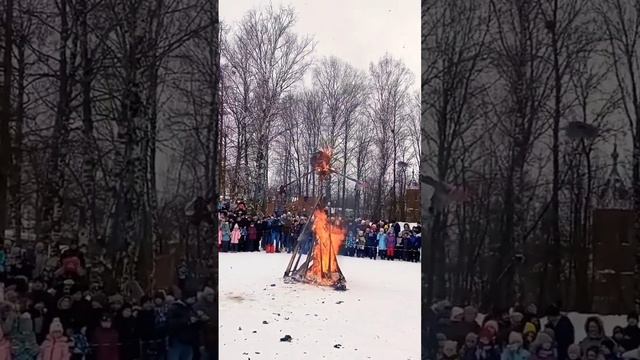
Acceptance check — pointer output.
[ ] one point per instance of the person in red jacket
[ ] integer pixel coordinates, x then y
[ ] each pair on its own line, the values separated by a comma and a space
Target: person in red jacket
105, 340
252, 234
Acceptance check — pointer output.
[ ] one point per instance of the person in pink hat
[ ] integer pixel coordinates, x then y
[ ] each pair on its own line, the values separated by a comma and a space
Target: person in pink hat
56, 345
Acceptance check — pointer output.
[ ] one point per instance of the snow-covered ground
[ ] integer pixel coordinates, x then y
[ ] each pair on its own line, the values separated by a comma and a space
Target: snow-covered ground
378, 317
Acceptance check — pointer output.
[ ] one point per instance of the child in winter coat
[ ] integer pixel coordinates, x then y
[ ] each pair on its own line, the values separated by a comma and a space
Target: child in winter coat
55, 346
24, 344
362, 241
608, 350
542, 348
468, 350
573, 352
79, 344
514, 349
5, 347
226, 235
391, 245
449, 351
235, 238
487, 349
382, 244
351, 244
106, 340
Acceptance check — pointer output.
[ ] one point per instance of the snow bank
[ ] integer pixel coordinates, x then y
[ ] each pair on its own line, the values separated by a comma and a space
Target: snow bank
378, 317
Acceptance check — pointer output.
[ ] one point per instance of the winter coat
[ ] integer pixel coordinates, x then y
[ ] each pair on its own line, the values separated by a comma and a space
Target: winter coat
80, 344
181, 329
520, 354
564, 335
5, 349
24, 346
361, 241
541, 354
235, 236
371, 240
105, 343
396, 229
128, 335
631, 337
54, 349
391, 241
491, 354
382, 241
456, 331
226, 232
209, 336
351, 240
253, 233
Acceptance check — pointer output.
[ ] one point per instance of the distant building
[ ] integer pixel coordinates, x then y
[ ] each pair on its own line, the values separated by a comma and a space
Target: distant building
614, 249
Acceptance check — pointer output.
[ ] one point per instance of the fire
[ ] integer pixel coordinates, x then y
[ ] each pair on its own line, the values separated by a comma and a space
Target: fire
321, 162
324, 269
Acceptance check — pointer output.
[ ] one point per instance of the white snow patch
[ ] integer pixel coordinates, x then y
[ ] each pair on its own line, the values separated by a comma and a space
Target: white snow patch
378, 317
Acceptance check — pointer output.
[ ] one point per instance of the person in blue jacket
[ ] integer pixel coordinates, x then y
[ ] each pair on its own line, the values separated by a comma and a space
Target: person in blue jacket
382, 244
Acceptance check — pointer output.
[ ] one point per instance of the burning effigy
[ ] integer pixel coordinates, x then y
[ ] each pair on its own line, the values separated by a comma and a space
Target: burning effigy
321, 264
324, 269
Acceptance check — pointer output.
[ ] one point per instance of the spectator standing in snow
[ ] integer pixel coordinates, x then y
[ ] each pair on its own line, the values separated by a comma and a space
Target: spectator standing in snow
631, 333
226, 235
563, 329
382, 244
235, 238
391, 245
514, 349
594, 328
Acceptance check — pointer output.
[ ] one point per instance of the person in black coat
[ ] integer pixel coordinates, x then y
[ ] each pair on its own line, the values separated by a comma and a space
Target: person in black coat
631, 333
183, 327
563, 328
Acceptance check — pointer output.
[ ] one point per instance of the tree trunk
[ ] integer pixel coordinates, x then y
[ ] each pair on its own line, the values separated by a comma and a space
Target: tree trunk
88, 219
555, 199
16, 191
55, 182
6, 116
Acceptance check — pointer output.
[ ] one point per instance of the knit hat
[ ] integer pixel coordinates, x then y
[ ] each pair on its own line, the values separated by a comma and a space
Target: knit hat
515, 337
529, 328
516, 317
56, 326
456, 313
543, 338
493, 325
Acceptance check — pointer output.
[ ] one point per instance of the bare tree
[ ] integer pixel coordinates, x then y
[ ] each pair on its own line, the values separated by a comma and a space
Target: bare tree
390, 83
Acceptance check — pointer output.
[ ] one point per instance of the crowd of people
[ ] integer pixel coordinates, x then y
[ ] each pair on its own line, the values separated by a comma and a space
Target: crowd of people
57, 304
455, 333
241, 230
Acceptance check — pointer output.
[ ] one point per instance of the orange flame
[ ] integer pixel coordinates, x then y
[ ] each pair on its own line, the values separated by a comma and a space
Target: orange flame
324, 269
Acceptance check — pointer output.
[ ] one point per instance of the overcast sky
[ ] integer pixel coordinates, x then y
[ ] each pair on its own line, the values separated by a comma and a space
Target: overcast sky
357, 31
